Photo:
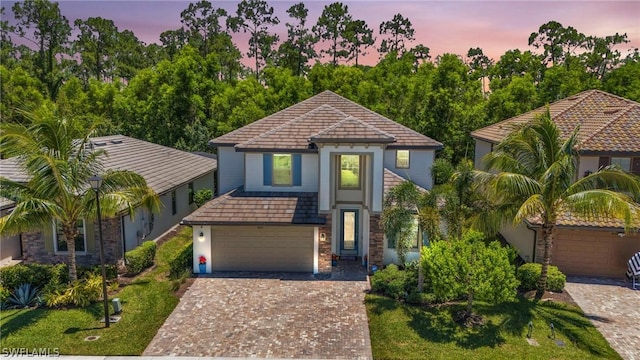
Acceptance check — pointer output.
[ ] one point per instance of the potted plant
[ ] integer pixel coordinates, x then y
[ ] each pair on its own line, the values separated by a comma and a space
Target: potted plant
334, 259
203, 264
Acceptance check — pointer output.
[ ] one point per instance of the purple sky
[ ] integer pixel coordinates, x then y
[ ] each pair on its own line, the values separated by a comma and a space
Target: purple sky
443, 26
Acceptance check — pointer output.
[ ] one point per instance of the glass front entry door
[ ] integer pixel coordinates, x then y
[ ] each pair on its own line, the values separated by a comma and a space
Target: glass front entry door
349, 232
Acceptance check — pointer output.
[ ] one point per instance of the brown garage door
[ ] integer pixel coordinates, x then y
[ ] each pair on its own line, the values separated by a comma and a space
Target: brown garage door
593, 253
266, 248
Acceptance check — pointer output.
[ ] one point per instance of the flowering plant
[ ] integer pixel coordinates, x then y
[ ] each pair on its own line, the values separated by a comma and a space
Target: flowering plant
202, 259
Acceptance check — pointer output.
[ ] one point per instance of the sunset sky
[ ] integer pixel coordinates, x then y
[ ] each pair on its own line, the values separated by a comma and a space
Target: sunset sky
443, 26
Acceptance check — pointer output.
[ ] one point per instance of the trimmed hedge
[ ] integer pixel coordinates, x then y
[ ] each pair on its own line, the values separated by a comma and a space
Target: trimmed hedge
181, 262
140, 258
38, 275
529, 273
393, 282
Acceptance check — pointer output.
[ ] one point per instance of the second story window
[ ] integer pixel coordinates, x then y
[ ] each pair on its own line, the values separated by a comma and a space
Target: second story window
282, 170
349, 175
402, 159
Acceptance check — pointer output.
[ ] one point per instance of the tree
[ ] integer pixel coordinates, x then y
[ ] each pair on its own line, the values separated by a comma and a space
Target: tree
535, 178
56, 155
254, 17
624, 81
399, 30
356, 36
298, 49
467, 267
479, 64
558, 42
202, 24
601, 56
96, 46
330, 27
50, 31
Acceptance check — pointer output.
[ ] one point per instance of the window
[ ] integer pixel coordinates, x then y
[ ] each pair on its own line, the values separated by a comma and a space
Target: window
190, 193
174, 209
402, 159
417, 235
349, 175
623, 163
60, 244
282, 170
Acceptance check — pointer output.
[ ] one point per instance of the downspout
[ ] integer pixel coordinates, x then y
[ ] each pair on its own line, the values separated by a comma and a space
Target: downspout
535, 239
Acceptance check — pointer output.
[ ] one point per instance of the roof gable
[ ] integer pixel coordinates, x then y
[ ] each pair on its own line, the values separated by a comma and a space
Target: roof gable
285, 129
352, 130
607, 122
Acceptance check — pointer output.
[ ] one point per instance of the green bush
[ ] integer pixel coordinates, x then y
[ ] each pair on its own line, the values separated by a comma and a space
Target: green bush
110, 270
181, 262
140, 258
421, 298
529, 273
393, 282
202, 196
38, 275
4, 294
81, 293
441, 171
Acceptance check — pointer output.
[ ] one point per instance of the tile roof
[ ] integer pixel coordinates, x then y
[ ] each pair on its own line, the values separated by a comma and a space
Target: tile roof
163, 168
569, 220
246, 207
352, 130
287, 128
607, 122
392, 179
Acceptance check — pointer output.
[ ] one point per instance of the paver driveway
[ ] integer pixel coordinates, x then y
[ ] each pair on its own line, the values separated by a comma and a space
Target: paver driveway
267, 316
614, 308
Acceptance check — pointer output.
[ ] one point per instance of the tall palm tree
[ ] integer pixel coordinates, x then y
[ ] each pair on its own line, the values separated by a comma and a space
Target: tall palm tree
536, 179
58, 158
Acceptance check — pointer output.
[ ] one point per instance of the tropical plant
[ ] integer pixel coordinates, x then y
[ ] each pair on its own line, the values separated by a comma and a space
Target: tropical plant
534, 178
24, 296
58, 157
202, 196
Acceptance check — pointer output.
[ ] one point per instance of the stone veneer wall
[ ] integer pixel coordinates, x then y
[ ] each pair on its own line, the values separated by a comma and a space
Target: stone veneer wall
324, 247
34, 250
376, 242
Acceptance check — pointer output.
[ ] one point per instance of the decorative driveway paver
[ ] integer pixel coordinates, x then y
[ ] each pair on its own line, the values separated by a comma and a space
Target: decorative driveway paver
268, 316
614, 308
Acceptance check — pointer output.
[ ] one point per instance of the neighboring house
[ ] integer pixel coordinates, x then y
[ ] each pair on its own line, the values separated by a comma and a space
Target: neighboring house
609, 134
305, 183
173, 174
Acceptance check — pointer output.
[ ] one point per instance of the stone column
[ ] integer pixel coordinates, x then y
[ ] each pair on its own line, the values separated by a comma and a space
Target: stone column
324, 247
376, 241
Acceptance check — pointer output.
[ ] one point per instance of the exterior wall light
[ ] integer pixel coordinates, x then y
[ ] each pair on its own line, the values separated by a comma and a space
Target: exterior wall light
201, 237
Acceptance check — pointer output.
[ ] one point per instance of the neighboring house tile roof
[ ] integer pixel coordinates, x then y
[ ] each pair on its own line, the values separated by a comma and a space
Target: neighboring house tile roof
569, 220
608, 123
293, 127
163, 168
392, 179
246, 207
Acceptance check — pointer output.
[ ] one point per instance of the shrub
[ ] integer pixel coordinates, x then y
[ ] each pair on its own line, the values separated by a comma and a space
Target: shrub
38, 275
80, 293
4, 294
393, 282
202, 196
421, 298
110, 270
441, 171
182, 262
24, 296
529, 273
140, 258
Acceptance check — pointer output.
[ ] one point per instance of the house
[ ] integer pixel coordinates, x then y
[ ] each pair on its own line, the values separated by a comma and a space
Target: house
609, 134
305, 183
173, 174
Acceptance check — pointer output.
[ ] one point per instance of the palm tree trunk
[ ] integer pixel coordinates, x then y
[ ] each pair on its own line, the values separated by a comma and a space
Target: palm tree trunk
420, 270
70, 238
547, 233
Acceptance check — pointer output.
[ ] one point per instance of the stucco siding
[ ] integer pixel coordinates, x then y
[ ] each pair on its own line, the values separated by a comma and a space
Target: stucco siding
588, 163
230, 169
521, 238
255, 171
482, 149
419, 171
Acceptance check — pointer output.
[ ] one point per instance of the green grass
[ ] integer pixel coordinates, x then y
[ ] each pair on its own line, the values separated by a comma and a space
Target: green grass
146, 303
401, 331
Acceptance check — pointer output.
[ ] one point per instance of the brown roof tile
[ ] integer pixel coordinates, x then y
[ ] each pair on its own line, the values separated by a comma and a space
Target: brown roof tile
607, 122
352, 130
240, 207
392, 179
569, 220
404, 136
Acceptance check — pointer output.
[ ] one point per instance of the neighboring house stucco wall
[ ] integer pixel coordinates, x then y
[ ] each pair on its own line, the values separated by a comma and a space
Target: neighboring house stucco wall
482, 149
230, 169
419, 171
521, 238
9, 245
255, 169
588, 163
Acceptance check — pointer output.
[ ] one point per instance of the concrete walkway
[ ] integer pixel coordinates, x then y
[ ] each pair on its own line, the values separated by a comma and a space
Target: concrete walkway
268, 315
614, 308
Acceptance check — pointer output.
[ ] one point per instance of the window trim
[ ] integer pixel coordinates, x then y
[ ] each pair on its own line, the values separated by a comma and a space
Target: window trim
408, 159
273, 169
342, 187
54, 225
630, 160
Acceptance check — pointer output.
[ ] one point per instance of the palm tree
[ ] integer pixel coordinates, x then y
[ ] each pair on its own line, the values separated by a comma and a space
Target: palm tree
58, 158
536, 179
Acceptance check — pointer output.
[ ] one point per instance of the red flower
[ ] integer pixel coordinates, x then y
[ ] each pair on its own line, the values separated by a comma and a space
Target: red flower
203, 260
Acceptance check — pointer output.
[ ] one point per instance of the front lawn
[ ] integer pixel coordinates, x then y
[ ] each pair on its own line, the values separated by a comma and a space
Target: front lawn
146, 303
402, 331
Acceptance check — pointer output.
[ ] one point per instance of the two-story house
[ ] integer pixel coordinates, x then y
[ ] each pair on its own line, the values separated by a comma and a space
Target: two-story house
305, 183
609, 134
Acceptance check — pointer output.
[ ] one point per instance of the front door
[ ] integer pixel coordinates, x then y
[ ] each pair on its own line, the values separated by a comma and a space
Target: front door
349, 224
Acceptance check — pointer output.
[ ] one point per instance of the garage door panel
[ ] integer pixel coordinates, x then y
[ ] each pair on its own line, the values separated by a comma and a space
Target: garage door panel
243, 248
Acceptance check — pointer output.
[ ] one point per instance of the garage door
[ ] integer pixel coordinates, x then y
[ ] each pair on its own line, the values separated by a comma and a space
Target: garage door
593, 253
267, 248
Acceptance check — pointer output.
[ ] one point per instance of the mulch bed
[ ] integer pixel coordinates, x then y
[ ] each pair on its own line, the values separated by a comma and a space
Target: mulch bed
562, 297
